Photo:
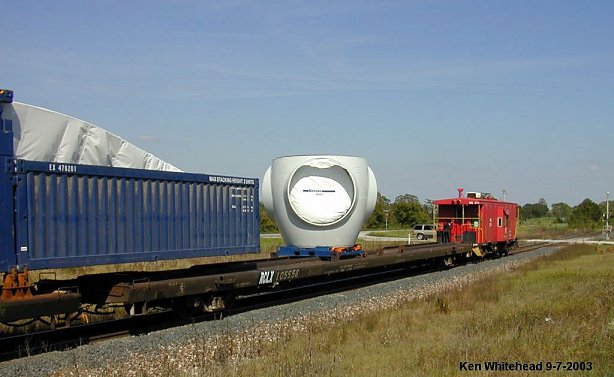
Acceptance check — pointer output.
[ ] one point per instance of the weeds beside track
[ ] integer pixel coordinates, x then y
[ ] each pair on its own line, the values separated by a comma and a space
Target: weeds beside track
558, 308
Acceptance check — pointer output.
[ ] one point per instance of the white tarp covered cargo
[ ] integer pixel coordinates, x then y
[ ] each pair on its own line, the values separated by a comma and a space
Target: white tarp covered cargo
321, 192
45, 135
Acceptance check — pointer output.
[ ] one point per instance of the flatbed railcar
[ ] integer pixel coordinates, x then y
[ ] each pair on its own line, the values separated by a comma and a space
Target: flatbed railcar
58, 215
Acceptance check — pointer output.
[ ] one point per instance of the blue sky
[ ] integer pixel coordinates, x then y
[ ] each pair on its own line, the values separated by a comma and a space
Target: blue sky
485, 95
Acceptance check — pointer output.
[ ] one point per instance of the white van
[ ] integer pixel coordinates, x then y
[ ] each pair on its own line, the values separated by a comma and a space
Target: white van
425, 231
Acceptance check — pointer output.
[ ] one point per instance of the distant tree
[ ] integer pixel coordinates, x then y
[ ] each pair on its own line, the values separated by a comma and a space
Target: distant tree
407, 210
535, 210
377, 220
429, 207
586, 215
561, 211
543, 202
407, 198
267, 225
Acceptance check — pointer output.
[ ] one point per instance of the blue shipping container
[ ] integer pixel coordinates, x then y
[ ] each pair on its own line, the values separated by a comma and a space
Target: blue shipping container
81, 215
56, 215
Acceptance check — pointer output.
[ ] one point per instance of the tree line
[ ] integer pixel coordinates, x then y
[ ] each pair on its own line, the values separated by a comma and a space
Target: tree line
585, 215
406, 211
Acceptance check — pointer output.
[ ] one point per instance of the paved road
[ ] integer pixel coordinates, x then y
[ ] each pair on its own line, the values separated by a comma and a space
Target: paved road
270, 235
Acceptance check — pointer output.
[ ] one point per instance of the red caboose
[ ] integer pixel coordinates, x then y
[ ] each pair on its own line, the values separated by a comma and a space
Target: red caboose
479, 219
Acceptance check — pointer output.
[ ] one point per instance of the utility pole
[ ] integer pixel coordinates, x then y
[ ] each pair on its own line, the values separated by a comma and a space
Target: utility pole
386, 217
504, 192
607, 215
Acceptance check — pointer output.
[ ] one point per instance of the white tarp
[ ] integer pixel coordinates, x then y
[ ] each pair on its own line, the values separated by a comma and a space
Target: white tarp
321, 192
45, 135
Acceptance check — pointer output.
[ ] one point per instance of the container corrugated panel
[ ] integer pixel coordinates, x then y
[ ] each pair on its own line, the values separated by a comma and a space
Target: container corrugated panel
77, 215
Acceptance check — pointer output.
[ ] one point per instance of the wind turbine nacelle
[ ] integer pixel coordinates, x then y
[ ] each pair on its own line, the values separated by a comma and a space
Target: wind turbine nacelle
319, 200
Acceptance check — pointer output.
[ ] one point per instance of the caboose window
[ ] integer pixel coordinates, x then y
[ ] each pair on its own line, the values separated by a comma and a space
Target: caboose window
500, 221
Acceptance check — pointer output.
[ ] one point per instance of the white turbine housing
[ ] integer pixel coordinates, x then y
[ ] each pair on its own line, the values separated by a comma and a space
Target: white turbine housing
319, 200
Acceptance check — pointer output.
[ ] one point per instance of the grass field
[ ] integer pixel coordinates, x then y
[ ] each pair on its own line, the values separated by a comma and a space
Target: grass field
558, 308
534, 228
390, 233
545, 228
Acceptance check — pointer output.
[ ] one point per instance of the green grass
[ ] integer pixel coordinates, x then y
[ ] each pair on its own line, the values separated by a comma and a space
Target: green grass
558, 308
391, 233
544, 228
269, 245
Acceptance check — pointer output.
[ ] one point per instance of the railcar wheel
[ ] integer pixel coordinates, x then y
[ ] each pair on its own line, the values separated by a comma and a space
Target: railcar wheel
135, 308
218, 302
448, 261
192, 306
186, 307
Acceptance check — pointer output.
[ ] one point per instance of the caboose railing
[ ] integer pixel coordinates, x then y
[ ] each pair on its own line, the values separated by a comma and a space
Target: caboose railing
461, 225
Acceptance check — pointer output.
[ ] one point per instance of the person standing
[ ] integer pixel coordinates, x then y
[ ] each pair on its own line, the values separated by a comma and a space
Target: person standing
446, 231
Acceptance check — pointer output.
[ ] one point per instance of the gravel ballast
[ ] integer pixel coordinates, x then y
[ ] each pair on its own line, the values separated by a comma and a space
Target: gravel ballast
188, 348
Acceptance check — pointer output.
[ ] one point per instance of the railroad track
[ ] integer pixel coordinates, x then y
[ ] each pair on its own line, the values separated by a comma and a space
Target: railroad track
23, 345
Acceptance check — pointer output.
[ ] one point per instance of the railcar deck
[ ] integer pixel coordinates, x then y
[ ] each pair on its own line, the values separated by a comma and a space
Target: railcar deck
213, 286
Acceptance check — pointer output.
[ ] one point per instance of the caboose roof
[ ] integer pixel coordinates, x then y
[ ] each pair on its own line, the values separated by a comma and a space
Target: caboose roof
468, 201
